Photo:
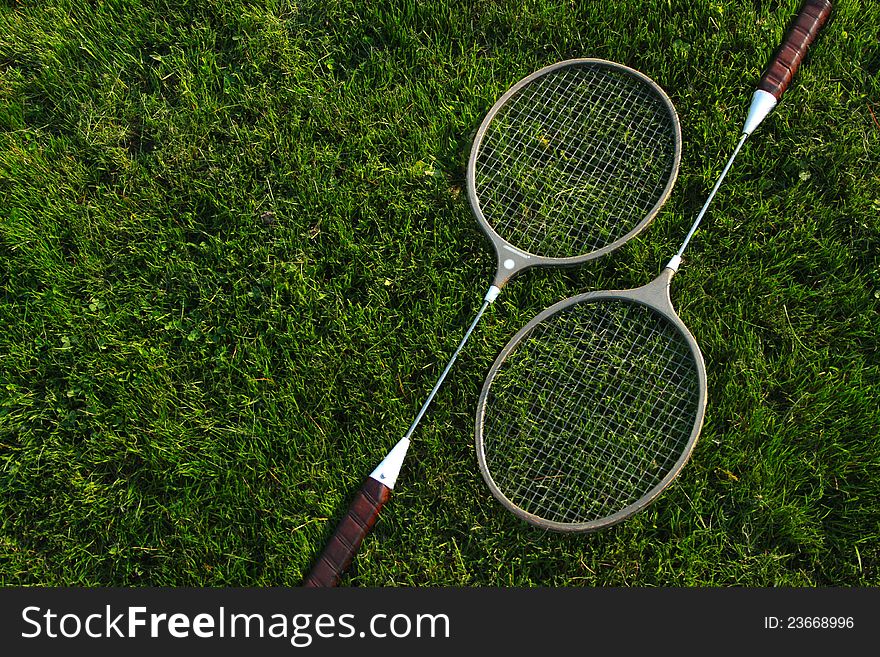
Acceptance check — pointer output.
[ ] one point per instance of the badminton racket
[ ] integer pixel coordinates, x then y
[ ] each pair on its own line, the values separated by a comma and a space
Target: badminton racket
593, 407
568, 165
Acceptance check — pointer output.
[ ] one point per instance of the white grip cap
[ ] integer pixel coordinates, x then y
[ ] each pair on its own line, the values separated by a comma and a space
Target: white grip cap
762, 103
388, 470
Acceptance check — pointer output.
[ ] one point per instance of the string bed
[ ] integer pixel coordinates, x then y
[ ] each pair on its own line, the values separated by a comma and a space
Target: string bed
575, 160
590, 411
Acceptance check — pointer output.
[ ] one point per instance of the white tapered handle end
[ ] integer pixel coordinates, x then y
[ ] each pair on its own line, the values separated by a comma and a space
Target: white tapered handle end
762, 104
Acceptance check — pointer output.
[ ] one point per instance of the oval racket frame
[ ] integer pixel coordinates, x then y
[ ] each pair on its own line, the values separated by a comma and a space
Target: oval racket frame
654, 296
514, 258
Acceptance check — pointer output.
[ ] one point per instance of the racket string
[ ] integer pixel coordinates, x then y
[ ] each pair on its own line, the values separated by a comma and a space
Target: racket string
583, 142
555, 125
604, 424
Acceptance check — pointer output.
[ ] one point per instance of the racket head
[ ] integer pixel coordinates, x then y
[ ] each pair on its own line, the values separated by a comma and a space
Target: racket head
572, 162
592, 356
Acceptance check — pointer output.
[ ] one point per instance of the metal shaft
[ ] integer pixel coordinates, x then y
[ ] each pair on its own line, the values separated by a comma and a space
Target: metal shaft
699, 218
439, 383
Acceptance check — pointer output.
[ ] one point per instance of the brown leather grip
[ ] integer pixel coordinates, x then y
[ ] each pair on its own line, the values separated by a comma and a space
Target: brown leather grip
801, 34
344, 544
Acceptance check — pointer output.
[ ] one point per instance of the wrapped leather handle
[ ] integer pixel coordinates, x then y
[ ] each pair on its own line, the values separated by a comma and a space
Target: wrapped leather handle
801, 34
357, 523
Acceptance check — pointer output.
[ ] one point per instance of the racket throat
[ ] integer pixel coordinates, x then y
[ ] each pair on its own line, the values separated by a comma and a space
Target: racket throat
511, 261
656, 293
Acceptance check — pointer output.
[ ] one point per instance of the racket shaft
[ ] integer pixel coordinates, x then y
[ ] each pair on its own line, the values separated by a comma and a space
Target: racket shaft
344, 544
364, 510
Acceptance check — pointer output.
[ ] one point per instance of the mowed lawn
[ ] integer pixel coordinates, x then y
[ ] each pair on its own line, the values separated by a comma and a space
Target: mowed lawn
236, 252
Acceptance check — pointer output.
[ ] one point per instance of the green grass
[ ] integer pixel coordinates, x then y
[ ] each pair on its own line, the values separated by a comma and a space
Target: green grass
235, 253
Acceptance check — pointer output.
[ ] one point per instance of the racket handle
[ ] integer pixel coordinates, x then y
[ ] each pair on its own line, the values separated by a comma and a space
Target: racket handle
357, 523
788, 58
